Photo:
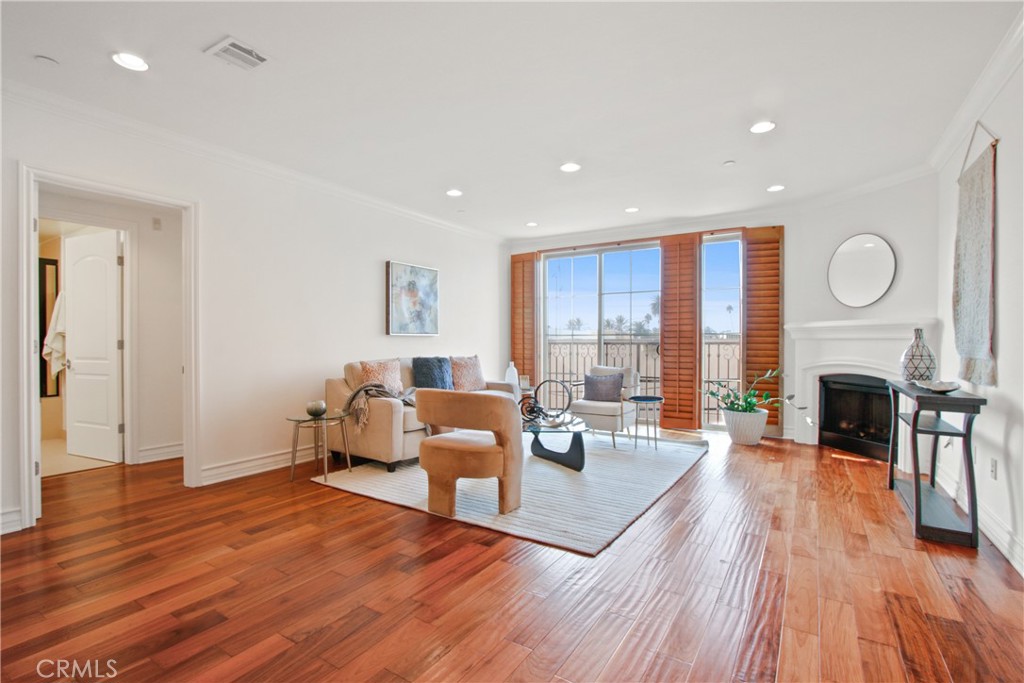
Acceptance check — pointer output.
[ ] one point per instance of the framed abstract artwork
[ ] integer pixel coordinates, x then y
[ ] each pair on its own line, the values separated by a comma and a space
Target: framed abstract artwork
412, 299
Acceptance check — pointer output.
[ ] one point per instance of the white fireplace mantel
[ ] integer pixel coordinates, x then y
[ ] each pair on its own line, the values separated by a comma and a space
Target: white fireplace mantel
865, 347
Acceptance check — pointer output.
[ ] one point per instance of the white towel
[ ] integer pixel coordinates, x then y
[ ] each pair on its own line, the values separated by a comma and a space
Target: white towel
53, 345
973, 305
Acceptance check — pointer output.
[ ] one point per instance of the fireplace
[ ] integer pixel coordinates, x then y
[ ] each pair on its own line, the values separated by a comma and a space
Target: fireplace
855, 414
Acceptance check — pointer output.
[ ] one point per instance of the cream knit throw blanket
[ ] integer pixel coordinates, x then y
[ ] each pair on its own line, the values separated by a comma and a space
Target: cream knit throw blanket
973, 291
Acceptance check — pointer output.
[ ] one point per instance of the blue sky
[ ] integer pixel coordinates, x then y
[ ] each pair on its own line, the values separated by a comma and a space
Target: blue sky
631, 281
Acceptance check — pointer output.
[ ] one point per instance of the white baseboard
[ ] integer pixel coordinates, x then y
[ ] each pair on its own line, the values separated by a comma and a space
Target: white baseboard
167, 451
245, 467
997, 530
10, 521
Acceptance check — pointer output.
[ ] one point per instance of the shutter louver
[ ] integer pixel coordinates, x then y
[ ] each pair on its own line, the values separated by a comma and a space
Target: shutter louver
524, 314
762, 330
680, 331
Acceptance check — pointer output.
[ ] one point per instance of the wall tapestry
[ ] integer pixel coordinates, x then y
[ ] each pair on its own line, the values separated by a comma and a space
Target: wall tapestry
412, 299
973, 270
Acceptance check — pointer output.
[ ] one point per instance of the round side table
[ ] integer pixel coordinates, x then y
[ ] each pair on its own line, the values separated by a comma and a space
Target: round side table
319, 426
648, 403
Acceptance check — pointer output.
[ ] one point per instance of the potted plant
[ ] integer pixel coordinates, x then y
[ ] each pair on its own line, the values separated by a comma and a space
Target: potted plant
745, 419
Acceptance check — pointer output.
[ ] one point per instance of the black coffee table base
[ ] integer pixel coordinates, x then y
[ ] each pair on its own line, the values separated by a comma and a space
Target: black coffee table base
572, 458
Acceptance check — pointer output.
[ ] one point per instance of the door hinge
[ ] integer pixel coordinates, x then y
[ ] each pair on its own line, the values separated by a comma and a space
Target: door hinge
120, 260
35, 346
35, 225
37, 467
120, 428
120, 344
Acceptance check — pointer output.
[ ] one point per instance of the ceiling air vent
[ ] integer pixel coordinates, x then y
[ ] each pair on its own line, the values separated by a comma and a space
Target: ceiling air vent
233, 51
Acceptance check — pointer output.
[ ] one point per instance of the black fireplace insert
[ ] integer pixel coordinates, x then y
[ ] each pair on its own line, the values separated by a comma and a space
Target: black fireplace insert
855, 414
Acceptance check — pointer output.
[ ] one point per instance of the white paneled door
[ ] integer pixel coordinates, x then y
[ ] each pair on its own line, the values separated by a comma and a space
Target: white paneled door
92, 286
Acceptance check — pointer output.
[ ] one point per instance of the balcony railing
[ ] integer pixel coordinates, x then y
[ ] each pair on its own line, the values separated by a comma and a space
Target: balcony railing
570, 357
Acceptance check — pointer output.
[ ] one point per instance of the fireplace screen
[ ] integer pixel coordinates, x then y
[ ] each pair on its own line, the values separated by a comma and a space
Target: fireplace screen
855, 414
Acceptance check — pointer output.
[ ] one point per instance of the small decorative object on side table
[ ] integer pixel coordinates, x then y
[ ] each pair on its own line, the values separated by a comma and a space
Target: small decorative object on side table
933, 513
319, 424
648, 403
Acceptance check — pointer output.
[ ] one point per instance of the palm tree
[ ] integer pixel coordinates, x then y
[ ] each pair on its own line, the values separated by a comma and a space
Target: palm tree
729, 309
621, 323
656, 306
575, 324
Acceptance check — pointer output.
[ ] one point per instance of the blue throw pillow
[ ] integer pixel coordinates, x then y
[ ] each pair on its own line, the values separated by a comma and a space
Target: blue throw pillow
434, 372
602, 387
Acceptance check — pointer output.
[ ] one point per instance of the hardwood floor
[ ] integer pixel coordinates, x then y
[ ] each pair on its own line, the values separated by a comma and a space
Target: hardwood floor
776, 562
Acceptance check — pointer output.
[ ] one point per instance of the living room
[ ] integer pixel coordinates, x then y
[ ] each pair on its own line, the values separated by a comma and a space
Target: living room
284, 249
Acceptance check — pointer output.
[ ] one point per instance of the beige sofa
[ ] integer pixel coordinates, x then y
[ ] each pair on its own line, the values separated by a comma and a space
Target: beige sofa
392, 432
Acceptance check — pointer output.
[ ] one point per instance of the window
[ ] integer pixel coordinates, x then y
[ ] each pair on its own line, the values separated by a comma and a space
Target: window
602, 307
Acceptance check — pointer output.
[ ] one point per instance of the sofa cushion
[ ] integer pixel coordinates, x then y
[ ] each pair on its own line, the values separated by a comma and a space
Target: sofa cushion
585, 407
409, 421
602, 387
432, 372
384, 372
467, 374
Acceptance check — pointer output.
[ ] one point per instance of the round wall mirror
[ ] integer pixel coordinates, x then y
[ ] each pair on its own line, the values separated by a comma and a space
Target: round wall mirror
861, 270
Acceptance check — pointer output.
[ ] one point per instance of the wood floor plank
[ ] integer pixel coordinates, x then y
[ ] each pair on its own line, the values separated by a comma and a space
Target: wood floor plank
801, 611
840, 652
798, 657
758, 655
922, 658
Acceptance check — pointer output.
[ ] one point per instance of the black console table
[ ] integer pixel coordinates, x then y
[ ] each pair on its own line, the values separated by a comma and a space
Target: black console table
933, 512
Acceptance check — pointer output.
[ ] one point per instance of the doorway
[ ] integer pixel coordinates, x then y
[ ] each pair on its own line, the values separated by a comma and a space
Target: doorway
35, 186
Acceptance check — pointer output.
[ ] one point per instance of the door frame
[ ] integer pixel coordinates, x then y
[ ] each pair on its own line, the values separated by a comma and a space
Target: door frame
29, 345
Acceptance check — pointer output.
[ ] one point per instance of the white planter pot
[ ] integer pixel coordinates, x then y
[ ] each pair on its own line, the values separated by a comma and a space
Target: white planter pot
746, 428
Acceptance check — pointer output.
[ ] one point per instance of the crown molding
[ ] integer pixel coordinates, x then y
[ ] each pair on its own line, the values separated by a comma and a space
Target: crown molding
1003, 64
67, 108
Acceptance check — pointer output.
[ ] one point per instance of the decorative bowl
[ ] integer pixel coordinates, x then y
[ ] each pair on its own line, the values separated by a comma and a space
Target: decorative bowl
316, 408
937, 387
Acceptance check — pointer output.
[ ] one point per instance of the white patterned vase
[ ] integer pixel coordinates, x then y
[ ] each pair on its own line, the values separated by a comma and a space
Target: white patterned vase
918, 362
745, 428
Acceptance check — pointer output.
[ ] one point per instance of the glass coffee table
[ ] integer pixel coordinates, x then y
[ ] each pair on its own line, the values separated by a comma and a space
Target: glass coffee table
574, 457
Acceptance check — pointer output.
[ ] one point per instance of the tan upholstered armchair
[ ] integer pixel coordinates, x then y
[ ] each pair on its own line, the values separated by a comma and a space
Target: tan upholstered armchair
612, 414
490, 446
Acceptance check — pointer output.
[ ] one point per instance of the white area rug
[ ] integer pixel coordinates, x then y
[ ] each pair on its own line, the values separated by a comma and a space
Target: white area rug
580, 511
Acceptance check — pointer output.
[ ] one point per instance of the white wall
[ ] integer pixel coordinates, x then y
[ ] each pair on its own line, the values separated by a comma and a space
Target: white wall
153, 299
999, 430
290, 279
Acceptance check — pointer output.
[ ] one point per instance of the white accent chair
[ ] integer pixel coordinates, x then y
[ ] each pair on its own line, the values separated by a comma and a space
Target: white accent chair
611, 416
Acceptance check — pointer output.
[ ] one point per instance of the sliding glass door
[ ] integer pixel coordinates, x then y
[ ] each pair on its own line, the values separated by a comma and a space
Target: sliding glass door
722, 316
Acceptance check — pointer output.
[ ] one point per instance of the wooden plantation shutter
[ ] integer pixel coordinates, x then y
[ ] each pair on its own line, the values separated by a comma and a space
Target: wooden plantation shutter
680, 331
524, 314
762, 328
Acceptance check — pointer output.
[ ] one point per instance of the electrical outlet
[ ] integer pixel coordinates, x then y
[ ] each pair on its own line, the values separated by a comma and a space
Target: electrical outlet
993, 468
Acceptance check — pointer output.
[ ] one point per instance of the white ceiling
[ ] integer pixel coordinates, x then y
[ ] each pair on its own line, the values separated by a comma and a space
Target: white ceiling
403, 101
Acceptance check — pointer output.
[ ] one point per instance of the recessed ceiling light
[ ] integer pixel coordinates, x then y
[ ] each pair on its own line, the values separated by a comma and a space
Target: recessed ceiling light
46, 61
531, 224
570, 167
728, 162
454, 193
130, 61
870, 244
632, 209
776, 188
762, 127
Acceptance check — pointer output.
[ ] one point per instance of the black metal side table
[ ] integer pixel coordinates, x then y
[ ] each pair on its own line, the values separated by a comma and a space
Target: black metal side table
933, 512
